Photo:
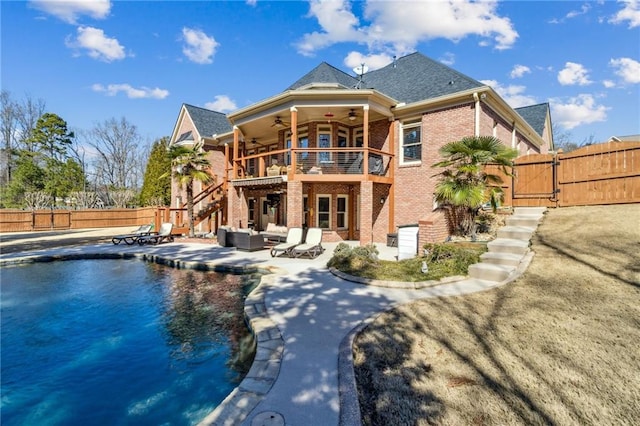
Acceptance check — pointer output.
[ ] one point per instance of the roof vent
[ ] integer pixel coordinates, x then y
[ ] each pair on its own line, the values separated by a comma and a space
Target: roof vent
451, 82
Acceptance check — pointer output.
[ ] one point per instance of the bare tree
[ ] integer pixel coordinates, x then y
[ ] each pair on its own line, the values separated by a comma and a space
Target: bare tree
120, 157
8, 122
84, 199
122, 197
37, 200
29, 112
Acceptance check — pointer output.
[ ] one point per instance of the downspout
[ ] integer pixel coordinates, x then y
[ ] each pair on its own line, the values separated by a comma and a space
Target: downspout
476, 98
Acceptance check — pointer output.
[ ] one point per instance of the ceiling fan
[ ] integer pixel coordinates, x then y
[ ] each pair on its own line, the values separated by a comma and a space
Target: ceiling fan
279, 123
352, 116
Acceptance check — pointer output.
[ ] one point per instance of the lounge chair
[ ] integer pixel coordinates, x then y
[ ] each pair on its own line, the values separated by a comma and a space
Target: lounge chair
164, 234
132, 237
294, 238
312, 245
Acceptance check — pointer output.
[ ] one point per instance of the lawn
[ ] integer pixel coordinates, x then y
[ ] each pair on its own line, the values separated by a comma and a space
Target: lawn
560, 345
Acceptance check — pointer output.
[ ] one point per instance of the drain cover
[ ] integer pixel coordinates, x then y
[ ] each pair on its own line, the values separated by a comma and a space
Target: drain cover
268, 418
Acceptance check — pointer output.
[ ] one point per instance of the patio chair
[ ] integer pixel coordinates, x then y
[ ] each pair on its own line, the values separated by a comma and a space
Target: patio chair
312, 245
133, 236
164, 234
294, 238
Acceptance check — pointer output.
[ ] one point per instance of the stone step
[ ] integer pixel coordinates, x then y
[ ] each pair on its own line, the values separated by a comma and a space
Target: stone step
490, 272
529, 210
508, 245
530, 220
516, 232
496, 258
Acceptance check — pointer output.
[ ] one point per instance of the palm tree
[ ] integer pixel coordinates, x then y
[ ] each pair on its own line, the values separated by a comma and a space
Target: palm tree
465, 185
189, 164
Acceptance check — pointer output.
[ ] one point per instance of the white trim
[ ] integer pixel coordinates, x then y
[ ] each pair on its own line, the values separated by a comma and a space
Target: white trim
345, 212
317, 215
417, 122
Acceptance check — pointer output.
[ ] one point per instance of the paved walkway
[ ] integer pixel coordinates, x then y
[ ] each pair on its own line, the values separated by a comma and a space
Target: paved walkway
312, 309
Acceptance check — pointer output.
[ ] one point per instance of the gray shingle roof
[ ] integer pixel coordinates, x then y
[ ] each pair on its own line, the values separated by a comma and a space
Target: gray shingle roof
325, 73
415, 77
535, 115
409, 79
207, 122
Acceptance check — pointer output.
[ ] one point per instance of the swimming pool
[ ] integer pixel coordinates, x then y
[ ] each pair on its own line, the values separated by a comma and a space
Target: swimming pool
119, 342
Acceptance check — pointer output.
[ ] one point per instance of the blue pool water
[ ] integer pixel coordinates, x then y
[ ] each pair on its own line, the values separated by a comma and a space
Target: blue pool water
119, 342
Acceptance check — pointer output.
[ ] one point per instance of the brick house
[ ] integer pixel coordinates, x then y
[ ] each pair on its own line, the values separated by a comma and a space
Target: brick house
351, 154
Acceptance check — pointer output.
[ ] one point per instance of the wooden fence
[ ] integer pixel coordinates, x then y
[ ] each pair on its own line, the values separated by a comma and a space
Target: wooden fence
607, 173
42, 220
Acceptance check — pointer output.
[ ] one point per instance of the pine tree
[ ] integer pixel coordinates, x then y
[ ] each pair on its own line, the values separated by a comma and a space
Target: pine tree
156, 187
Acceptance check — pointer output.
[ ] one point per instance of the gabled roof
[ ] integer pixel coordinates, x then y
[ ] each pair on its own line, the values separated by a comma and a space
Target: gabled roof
325, 73
415, 78
535, 115
207, 122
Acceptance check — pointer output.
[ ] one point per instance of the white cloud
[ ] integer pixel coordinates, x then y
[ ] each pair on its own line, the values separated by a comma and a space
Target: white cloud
130, 91
572, 14
448, 59
519, 70
573, 74
97, 44
609, 84
339, 24
577, 111
630, 12
198, 47
222, 103
398, 27
70, 10
583, 10
373, 62
252, 2
512, 94
627, 69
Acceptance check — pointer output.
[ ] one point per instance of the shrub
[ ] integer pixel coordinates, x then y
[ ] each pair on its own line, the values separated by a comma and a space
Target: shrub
353, 259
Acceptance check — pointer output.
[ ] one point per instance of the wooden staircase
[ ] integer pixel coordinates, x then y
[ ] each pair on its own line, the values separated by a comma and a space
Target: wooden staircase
216, 203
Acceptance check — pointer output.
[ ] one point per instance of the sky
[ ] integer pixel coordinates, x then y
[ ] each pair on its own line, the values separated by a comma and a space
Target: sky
91, 61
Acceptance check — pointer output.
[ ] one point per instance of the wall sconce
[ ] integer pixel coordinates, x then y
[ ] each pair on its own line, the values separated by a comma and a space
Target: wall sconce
382, 200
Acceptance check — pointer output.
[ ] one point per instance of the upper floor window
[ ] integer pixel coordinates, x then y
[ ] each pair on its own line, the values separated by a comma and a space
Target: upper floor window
324, 141
303, 142
411, 151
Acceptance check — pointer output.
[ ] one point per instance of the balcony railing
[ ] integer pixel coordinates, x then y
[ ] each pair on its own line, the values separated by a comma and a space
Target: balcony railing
315, 161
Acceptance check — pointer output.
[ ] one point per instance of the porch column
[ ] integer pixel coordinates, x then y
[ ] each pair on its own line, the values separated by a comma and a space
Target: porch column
392, 162
294, 146
366, 212
236, 142
294, 204
365, 141
225, 185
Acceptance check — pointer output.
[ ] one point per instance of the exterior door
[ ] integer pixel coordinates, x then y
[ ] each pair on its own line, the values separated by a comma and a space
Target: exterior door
265, 213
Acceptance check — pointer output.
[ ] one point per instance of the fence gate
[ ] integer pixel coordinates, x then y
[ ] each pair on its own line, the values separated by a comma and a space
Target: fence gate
52, 219
535, 181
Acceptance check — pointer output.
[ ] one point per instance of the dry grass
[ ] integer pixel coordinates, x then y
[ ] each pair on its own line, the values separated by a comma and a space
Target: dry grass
561, 345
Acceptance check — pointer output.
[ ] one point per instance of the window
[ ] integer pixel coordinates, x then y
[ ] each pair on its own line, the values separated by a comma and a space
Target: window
303, 142
343, 142
411, 142
252, 209
324, 141
341, 212
323, 209
251, 163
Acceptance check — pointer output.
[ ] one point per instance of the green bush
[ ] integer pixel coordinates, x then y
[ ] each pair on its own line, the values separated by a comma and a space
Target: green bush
443, 260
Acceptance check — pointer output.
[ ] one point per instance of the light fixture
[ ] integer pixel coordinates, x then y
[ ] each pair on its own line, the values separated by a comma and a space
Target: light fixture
352, 115
328, 116
382, 200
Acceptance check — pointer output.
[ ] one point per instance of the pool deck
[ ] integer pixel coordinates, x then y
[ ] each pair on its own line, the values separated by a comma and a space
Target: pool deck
304, 318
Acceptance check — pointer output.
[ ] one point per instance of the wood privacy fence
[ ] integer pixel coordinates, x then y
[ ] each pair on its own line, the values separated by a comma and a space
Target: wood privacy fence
42, 220
607, 173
